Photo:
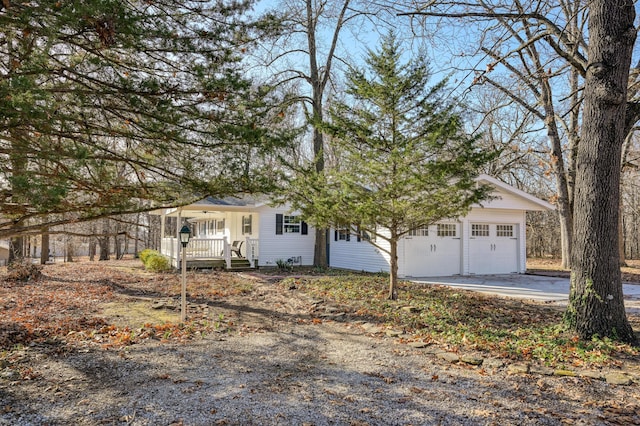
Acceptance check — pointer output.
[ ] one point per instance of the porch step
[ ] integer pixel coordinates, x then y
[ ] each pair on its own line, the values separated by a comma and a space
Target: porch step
240, 264
236, 264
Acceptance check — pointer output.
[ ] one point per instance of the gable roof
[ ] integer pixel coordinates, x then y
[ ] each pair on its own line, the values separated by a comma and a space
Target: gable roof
510, 196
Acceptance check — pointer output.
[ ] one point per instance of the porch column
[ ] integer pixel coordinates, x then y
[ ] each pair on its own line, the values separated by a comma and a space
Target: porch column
176, 240
163, 219
227, 252
248, 247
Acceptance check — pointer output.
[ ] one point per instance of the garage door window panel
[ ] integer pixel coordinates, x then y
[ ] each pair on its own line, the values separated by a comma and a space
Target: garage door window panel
479, 230
504, 231
447, 230
422, 231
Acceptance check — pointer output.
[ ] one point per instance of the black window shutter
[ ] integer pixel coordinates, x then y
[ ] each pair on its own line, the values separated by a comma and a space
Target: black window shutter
335, 235
359, 234
348, 231
279, 218
242, 226
304, 229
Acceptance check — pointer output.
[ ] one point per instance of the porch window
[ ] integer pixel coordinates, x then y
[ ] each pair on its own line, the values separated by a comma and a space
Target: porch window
291, 224
447, 230
504, 230
220, 226
246, 225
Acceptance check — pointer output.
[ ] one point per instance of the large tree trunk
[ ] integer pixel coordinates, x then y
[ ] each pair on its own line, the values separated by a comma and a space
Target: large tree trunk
103, 241
45, 252
596, 305
565, 207
69, 250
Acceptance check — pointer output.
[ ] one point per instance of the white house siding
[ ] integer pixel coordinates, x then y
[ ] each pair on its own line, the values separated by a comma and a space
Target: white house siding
274, 247
505, 200
235, 226
358, 255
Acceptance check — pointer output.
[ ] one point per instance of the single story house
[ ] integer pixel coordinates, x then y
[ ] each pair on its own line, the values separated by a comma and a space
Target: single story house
490, 239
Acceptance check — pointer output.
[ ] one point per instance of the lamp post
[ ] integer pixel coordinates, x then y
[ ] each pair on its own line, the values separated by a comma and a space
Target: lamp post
185, 235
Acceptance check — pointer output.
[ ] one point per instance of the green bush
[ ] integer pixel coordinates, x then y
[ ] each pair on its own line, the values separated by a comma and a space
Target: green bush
144, 255
157, 263
154, 261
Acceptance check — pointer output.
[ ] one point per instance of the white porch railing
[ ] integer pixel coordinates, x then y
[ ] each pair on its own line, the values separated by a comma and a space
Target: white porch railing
169, 248
208, 248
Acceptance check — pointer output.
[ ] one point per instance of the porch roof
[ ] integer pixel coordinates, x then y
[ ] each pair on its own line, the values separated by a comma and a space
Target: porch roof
208, 206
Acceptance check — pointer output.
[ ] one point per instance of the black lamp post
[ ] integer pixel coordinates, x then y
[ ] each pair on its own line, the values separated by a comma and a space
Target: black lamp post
185, 235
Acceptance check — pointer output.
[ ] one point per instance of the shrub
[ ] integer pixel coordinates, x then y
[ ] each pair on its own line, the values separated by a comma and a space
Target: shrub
284, 265
23, 270
156, 262
144, 254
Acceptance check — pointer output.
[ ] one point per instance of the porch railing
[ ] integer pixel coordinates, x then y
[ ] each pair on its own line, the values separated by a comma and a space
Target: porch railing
216, 248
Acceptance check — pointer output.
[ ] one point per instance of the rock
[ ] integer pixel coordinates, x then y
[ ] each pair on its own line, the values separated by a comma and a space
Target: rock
564, 373
393, 333
618, 379
492, 363
518, 369
410, 309
471, 359
418, 345
542, 370
591, 374
449, 357
9, 375
434, 350
371, 328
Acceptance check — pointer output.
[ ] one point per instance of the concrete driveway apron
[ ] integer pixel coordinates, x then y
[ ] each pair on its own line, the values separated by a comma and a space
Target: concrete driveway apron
524, 286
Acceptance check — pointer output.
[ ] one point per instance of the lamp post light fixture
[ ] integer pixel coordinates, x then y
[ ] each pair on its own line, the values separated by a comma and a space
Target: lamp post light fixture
185, 235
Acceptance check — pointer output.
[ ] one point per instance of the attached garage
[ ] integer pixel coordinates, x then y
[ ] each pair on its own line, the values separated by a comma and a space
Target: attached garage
490, 239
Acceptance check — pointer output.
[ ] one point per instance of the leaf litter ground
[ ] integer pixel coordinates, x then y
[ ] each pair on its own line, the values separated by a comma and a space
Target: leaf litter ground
101, 342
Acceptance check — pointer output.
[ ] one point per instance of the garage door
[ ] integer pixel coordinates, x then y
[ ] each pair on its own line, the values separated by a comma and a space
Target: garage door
493, 248
433, 251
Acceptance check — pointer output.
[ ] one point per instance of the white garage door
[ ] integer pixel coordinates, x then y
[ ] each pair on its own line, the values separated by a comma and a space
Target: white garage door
433, 251
493, 248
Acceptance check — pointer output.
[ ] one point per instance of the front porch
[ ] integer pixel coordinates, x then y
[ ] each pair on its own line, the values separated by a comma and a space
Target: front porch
212, 252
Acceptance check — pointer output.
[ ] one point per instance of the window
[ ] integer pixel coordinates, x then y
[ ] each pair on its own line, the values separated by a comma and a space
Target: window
220, 225
342, 234
504, 230
479, 230
291, 224
422, 231
364, 235
246, 225
447, 229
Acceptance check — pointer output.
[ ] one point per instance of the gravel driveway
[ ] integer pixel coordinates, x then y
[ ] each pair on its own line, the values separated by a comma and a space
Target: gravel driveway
280, 370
